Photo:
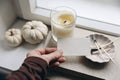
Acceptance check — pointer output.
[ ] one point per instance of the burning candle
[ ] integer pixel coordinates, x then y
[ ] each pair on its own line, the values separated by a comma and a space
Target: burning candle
62, 22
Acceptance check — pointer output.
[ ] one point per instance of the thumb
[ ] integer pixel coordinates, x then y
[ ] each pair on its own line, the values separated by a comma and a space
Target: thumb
55, 55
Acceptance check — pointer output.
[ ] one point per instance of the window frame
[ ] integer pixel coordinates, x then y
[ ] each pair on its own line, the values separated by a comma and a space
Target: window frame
31, 12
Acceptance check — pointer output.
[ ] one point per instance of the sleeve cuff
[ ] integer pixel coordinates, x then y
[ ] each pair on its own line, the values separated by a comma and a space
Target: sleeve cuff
37, 60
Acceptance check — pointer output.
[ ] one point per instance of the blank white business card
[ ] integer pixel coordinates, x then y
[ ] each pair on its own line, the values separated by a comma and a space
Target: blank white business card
74, 46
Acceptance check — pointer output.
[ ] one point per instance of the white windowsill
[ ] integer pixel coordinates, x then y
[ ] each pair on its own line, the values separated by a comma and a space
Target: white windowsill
32, 12
101, 10
85, 23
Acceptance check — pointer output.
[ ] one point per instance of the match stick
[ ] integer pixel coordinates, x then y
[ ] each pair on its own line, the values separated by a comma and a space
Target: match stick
95, 52
106, 53
93, 37
108, 43
111, 42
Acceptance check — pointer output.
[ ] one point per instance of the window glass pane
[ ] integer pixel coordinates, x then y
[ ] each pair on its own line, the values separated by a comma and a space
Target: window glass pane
101, 10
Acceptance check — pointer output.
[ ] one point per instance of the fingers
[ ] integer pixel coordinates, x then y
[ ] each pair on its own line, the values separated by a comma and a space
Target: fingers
61, 59
49, 50
57, 62
55, 55
46, 50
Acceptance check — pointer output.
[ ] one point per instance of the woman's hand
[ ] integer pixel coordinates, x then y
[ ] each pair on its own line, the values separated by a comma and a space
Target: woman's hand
50, 55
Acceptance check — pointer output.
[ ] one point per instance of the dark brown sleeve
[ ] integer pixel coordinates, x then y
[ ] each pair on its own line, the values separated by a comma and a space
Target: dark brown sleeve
33, 68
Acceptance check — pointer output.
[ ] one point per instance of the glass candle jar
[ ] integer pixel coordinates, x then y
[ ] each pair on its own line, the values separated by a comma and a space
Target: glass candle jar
62, 22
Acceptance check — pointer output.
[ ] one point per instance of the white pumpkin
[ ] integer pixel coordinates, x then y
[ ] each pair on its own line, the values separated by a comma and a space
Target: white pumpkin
34, 32
13, 37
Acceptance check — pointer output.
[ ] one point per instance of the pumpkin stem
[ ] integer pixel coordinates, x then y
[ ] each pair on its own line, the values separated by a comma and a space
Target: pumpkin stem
11, 33
32, 27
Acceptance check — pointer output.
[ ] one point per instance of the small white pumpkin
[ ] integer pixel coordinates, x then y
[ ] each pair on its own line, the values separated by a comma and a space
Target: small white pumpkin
13, 37
34, 32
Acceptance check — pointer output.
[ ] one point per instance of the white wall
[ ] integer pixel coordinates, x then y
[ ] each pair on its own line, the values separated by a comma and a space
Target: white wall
7, 15
17, 8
